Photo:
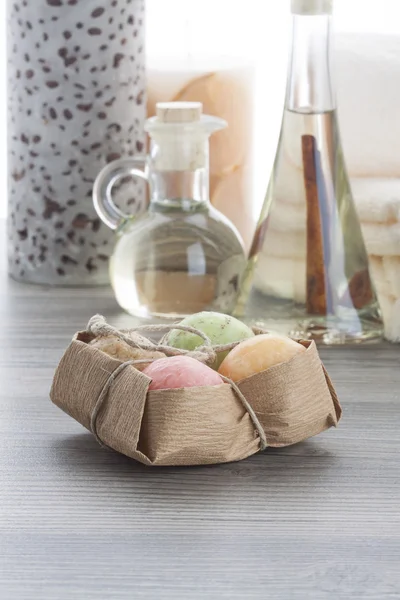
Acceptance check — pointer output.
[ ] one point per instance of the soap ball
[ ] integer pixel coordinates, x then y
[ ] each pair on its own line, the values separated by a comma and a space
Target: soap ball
122, 351
258, 354
180, 372
220, 328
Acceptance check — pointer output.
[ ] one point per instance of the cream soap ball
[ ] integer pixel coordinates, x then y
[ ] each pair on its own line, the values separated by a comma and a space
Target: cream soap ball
258, 354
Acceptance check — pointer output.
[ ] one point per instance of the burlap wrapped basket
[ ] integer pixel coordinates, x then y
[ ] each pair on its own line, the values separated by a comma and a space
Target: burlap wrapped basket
192, 426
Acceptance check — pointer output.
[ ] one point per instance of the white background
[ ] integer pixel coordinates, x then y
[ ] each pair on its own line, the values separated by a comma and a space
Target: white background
257, 29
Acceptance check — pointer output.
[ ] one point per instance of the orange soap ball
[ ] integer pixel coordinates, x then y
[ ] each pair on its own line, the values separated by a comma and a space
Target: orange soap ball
180, 372
258, 354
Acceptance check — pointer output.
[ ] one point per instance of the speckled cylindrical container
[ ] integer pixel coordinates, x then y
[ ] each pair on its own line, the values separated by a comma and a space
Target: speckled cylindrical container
76, 100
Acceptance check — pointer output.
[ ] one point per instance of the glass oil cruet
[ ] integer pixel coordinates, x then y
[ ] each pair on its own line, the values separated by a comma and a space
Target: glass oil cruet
182, 256
307, 274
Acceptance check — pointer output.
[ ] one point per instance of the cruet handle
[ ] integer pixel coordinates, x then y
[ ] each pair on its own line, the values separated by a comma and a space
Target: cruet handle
108, 212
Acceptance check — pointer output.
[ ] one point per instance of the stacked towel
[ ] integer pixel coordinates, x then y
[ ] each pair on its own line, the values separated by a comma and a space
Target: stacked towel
378, 204
282, 265
368, 82
368, 73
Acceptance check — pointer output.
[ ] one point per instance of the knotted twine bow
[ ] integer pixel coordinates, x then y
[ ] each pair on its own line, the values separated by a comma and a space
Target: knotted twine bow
206, 354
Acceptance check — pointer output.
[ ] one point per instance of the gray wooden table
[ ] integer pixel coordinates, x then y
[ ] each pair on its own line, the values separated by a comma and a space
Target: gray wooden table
317, 520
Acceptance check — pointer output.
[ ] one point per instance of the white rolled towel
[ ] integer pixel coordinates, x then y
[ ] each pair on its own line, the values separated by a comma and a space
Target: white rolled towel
285, 245
378, 206
368, 80
377, 199
390, 307
385, 272
285, 278
391, 266
382, 240
281, 277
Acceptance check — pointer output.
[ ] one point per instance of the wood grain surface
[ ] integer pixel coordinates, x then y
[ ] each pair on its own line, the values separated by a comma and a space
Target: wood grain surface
319, 520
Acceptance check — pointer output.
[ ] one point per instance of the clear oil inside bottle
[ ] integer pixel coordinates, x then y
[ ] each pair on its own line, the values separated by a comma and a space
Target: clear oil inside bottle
308, 273
279, 284
183, 257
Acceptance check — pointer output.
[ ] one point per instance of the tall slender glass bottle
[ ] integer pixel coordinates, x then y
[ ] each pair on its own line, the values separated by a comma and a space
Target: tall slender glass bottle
308, 272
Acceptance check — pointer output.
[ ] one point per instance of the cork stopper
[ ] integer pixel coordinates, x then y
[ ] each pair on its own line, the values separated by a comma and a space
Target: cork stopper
179, 112
181, 132
311, 7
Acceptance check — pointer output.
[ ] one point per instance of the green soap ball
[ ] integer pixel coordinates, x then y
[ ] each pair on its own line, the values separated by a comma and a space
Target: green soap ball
220, 328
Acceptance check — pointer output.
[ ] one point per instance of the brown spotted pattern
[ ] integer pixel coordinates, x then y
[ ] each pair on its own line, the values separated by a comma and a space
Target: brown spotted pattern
76, 101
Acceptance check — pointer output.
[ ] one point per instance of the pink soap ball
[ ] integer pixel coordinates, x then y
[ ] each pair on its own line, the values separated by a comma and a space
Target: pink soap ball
180, 372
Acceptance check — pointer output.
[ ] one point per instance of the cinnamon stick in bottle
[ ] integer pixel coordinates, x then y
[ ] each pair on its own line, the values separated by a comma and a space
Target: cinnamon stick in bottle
360, 290
318, 292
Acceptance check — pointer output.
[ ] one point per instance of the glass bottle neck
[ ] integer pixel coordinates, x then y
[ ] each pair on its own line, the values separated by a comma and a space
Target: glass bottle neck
310, 87
179, 171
